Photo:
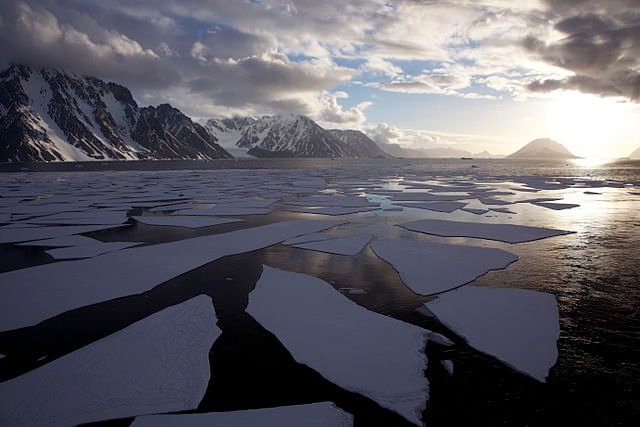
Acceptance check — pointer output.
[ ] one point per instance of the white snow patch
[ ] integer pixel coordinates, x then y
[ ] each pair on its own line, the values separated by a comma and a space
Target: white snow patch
158, 364
359, 350
34, 294
350, 245
430, 267
184, 221
322, 414
89, 250
509, 233
517, 326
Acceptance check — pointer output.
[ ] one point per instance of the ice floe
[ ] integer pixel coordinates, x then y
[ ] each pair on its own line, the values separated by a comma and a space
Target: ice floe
59, 242
89, 250
159, 364
330, 210
33, 294
184, 221
38, 233
359, 350
430, 267
225, 210
322, 414
435, 206
556, 206
509, 233
517, 326
349, 245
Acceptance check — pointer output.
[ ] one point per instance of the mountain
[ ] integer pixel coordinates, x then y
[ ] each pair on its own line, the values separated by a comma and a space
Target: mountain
289, 135
444, 152
357, 143
53, 115
228, 132
635, 155
543, 148
486, 155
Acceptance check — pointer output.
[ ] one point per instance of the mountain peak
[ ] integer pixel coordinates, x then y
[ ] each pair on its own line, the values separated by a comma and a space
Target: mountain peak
543, 148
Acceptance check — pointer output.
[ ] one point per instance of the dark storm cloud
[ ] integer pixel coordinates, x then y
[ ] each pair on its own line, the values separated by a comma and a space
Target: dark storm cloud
601, 45
33, 35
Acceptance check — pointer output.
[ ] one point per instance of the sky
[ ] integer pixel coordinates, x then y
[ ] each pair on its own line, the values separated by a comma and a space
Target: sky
469, 74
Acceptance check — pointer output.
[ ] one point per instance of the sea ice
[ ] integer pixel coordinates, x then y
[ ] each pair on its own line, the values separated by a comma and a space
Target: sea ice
509, 233
159, 364
89, 250
224, 210
330, 210
349, 245
476, 211
322, 414
557, 206
447, 207
37, 233
33, 294
184, 221
359, 350
448, 366
60, 242
430, 267
517, 326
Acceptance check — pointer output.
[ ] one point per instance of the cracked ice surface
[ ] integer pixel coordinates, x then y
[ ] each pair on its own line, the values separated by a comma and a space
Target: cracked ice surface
322, 414
430, 267
158, 364
517, 326
31, 295
357, 349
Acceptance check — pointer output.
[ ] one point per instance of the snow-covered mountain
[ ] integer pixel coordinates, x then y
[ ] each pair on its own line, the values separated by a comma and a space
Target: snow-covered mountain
289, 135
635, 155
543, 148
53, 115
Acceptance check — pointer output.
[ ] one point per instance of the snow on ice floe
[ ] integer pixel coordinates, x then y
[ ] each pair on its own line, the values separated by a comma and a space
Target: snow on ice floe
517, 326
359, 350
430, 267
59, 242
225, 210
330, 210
159, 364
38, 233
349, 245
447, 207
509, 233
184, 221
89, 250
557, 206
476, 211
31, 295
322, 414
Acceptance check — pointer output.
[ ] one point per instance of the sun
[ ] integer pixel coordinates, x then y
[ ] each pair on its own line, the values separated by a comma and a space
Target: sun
591, 126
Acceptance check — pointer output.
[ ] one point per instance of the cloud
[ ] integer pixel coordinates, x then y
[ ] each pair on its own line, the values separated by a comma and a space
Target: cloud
32, 35
599, 44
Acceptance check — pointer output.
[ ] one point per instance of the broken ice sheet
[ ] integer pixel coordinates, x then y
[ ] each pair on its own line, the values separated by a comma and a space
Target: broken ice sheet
517, 326
322, 414
557, 206
33, 294
349, 245
158, 364
447, 207
330, 210
58, 242
89, 250
37, 233
184, 221
224, 210
509, 233
359, 350
430, 267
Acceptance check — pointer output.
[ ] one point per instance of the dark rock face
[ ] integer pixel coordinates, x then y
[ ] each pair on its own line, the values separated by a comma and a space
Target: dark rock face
50, 115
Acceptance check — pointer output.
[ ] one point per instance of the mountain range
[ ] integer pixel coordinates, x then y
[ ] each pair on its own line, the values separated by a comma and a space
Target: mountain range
635, 155
397, 150
52, 115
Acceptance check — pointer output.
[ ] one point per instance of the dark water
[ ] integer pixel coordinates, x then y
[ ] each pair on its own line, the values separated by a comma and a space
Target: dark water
594, 274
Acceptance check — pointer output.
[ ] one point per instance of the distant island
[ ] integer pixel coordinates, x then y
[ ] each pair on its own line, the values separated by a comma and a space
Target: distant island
543, 148
635, 155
